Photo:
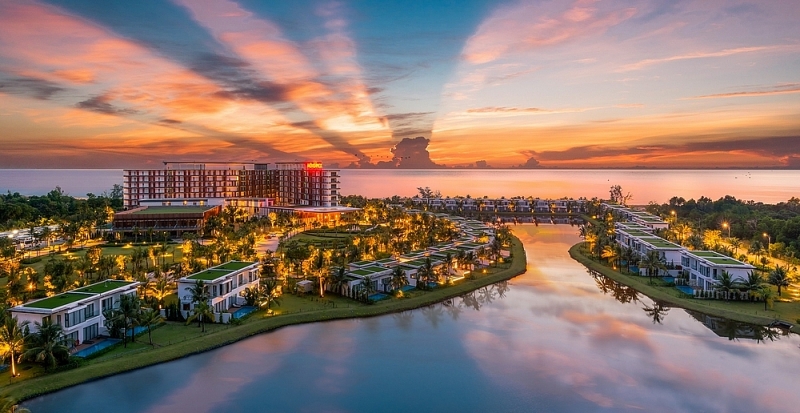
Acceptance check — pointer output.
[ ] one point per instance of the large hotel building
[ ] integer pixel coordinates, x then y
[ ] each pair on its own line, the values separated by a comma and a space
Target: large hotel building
282, 184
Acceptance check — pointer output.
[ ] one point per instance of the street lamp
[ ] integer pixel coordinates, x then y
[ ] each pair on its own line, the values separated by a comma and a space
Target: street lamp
769, 240
725, 225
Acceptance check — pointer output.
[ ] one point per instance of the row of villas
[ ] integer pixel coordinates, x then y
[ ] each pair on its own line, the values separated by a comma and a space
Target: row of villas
80, 311
503, 205
475, 237
704, 268
623, 213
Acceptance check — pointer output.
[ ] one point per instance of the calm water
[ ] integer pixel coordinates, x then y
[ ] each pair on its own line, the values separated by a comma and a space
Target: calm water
645, 185
552, 340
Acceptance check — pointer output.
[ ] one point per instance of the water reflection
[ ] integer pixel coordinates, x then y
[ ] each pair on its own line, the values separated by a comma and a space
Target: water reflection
734, 330
554, 339
619, 291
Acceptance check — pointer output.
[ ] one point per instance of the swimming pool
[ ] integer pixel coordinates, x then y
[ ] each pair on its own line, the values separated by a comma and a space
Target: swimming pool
686, 289
378, 297
96, 347
244, 311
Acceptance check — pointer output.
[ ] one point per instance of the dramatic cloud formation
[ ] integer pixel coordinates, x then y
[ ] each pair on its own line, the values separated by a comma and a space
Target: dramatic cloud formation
521, 84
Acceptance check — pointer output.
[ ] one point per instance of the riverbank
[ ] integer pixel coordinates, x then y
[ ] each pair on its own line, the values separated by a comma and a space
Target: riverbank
256, 325
746, 312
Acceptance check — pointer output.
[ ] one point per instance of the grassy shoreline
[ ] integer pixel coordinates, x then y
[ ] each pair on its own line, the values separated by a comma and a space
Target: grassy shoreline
746, 312
38, 386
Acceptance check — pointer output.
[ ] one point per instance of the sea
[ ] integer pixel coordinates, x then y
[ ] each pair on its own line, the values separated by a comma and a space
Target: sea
645, 185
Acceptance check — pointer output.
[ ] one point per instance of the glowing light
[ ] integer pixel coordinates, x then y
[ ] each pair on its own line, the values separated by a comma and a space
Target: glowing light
313, 165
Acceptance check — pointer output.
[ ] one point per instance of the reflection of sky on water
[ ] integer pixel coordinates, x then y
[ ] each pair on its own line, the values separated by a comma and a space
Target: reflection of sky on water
548, 341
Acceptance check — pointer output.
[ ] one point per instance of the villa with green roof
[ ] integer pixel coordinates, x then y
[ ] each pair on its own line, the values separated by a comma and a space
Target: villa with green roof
706, 267
79, 311
225, 284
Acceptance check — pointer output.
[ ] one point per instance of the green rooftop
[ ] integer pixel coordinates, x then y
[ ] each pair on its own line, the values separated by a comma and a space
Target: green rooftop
57, 300
233, 265
718, 259
637, 233
172, 210
103, 287
209, 275
705, 253
361, 263
659, 242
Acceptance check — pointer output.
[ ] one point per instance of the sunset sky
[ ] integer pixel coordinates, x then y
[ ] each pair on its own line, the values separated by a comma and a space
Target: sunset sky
555, 84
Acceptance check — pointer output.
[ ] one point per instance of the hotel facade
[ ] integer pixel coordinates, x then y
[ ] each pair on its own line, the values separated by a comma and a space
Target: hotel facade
254, 185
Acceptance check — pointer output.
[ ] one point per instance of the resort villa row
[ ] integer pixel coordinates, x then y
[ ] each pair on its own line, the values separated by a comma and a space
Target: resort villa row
502, 205
475, 236
703, 268
79, 311
224, 284
643, 218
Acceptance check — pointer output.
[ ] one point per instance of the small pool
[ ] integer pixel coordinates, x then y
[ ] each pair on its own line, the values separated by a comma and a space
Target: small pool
668, 279
244, 311
686, 289
97, 347
407, 288
378, 297
136, 331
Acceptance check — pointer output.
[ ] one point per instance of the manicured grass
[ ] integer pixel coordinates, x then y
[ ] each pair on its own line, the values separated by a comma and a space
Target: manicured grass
103, 287
294, 310
744, 311
209, 275
57, 301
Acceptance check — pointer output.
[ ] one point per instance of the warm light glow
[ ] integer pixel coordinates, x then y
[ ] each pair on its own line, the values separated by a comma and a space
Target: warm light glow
313, 165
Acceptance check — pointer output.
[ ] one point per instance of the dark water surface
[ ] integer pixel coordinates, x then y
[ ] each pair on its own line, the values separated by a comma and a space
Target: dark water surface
555, 339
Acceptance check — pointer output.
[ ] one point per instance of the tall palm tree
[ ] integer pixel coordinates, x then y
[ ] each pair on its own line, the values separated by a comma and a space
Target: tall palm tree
202, 311
339, 280
128, 309
268, 293
780, 277
726, 284
366, 288
12, 340
399, 279
611, 253
149, 318
753, 283
47, 344
653, 263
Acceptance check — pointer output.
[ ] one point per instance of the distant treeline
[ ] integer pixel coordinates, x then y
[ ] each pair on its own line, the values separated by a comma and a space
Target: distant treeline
20, 211
778, 224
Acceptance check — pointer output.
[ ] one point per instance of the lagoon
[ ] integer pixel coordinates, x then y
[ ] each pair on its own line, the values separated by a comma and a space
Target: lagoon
554, 339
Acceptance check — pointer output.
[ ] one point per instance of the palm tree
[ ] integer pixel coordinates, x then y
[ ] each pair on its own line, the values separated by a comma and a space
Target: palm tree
766, 293
425, 273
12, 339
201, 312
149, 318
366, 288
198, 292
339, 280
753, 283
726, 284
47, 344
268, 293
653, 263
611, 253
128, 309
160, 289
779, 277
399, 279
736, 243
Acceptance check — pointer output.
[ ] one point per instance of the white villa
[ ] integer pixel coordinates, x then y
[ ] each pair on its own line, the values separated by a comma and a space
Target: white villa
705, 268
225, 283
643, 242
79, 311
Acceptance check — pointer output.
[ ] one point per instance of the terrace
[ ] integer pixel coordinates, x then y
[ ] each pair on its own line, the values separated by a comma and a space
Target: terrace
56, 301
